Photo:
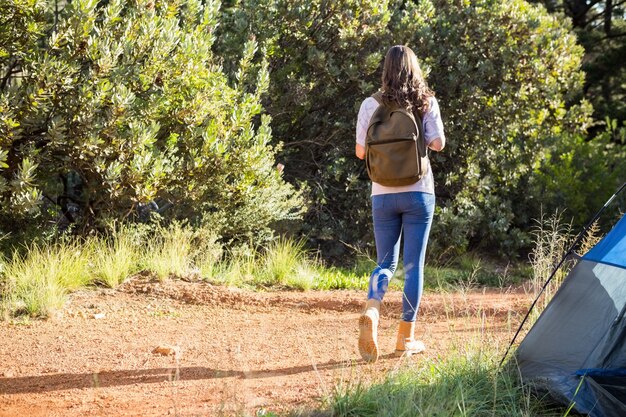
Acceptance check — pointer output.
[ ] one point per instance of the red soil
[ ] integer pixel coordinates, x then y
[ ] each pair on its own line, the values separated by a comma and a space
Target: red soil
234, 352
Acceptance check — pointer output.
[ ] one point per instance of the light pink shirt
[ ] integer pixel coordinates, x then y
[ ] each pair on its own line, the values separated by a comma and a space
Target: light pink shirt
433, 128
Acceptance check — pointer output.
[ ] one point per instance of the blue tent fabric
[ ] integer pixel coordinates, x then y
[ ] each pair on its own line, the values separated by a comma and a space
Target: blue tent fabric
576, 349
612, 249
621, 372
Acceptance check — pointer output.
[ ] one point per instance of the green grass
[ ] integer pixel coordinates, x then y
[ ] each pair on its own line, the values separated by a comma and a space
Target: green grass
37, 283
471, 270
460, 384
464, 272
340, 279
115, 259
238, 269
283, 263
169, 252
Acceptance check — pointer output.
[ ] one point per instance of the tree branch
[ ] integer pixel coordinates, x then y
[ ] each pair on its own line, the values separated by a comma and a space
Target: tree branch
602, 13
9, 73
613, 36
578, 9
608, 16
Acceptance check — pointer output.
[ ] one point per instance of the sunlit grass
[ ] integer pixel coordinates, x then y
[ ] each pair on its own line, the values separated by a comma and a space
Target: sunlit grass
36, 283
116, 258
37, 280
341, 279
460, 383
285, 262
238, 269
552, 238
209, 255
169, 252
464, 379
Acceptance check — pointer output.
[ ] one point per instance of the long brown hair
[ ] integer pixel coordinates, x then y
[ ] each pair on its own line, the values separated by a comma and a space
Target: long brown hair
403, 81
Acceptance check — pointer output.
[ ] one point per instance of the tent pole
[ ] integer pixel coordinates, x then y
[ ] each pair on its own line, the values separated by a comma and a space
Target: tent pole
568, 253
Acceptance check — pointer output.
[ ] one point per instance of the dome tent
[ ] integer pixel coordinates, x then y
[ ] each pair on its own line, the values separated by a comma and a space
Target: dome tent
576, 349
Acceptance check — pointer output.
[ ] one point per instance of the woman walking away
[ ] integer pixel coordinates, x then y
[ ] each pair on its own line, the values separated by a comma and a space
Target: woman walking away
403, 192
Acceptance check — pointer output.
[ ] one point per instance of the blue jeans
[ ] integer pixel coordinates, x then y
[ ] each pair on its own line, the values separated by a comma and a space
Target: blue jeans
411, 214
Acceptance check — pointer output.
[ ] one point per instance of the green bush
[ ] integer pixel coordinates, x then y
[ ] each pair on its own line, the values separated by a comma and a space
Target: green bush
323, 58
580, 174
121, 107
508, 79
37, 283
599, 26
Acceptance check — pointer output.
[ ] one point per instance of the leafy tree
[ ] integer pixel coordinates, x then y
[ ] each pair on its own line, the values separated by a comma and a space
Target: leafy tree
581, 173
601, 29
324, 58
508, 79
120, 108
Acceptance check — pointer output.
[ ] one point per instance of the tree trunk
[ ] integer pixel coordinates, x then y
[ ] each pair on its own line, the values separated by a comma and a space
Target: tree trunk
578, 10
608, 16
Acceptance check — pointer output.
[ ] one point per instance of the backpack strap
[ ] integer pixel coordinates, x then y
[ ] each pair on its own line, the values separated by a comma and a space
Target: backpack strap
378, 97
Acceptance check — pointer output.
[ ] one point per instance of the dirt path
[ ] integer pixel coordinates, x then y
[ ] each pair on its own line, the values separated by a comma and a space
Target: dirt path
233, 352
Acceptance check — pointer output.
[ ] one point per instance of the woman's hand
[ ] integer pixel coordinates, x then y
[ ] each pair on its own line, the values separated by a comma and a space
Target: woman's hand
360, 151
437, 144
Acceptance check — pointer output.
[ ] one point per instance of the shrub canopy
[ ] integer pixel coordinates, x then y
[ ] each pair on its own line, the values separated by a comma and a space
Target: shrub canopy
117, 110
507, 76
112, 110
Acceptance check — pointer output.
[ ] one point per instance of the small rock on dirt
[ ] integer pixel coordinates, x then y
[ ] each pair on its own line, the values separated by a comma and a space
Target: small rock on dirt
164, 350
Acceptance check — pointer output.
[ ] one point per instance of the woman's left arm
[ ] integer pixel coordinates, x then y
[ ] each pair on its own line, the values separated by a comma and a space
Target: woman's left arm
366, 110
433, 127
437, 144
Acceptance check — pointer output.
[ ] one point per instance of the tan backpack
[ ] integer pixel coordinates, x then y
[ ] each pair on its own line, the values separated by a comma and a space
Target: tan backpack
395, 150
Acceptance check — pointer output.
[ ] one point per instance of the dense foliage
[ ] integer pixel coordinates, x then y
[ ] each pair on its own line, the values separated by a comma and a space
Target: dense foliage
587, 169
601, 29
580, 174
324, 57
115, 110
110, 112
508, 78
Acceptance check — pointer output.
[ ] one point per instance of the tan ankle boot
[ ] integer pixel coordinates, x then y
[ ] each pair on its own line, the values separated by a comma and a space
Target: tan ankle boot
368, 331
406, 343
